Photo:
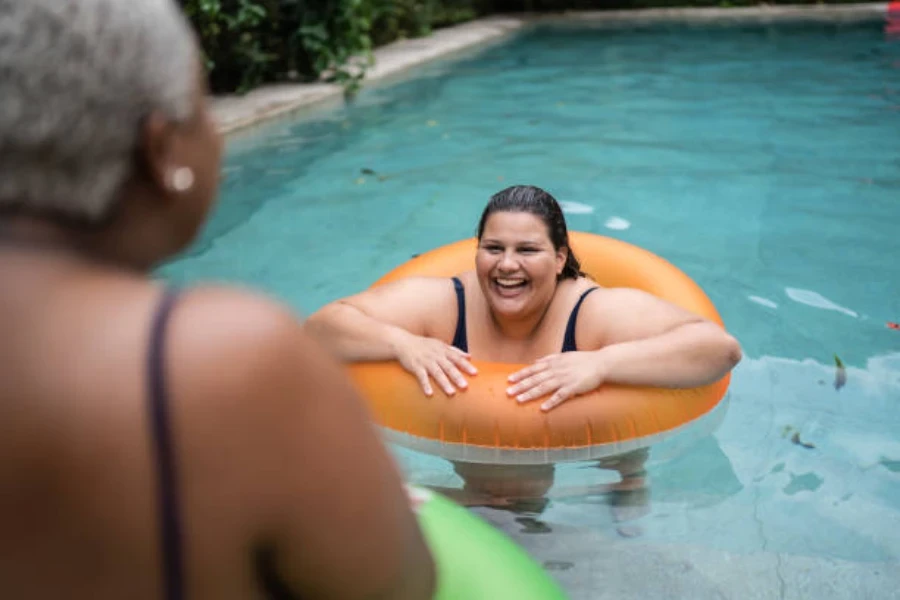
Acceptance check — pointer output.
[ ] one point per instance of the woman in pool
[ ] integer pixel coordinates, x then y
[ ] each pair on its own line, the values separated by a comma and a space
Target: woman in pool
527, 301
155, 444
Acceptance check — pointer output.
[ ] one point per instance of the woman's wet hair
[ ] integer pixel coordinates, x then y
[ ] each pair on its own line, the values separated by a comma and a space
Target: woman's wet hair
534, 200
79, 78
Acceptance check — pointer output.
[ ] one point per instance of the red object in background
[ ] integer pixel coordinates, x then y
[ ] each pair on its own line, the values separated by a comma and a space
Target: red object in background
893, 18
893, 325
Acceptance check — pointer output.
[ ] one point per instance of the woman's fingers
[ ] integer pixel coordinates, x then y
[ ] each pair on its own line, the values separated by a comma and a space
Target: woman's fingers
440, 378
529, 383
561, 395
461, 360
542, 389
422, 375
441, 363
453, 373
533, 369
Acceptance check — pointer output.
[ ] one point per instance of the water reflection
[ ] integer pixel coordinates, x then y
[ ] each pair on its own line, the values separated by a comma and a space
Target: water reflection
745, 485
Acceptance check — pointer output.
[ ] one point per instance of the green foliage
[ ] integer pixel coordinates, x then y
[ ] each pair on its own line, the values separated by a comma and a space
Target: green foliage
251, 42
233, 36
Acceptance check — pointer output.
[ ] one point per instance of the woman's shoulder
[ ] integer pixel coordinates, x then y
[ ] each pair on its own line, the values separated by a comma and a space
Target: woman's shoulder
573, 289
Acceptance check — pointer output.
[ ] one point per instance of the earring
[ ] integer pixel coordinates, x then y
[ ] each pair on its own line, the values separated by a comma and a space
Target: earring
181, 179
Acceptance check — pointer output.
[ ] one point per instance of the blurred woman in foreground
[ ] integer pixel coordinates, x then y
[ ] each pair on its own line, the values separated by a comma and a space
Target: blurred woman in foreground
156, 443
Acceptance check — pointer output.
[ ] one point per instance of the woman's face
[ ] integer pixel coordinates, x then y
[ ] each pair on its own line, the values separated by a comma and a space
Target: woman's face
517, 265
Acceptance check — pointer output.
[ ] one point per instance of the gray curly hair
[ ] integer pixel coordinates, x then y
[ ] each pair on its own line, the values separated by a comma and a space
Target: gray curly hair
76, 79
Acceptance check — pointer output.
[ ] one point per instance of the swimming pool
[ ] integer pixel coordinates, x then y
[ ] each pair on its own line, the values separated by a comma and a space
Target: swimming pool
762, 160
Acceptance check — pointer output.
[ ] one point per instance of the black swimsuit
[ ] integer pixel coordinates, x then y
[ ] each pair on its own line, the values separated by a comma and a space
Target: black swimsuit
461, 341
166, 476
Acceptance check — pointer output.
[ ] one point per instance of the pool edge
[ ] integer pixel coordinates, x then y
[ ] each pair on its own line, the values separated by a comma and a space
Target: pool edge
240, 113
235, 113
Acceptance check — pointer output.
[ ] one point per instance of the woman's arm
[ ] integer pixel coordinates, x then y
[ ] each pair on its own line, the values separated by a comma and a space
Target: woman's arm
689, 355
631, 337
391, 322
643, 340
374, 324
279, 455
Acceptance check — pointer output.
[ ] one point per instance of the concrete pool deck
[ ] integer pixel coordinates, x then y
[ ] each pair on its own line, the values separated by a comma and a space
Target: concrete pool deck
237, 113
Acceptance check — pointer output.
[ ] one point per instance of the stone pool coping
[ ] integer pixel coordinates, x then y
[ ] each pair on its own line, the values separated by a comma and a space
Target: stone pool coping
238, 113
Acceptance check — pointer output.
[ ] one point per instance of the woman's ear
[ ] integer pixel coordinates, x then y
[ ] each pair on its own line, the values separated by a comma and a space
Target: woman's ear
561, 256
156, 156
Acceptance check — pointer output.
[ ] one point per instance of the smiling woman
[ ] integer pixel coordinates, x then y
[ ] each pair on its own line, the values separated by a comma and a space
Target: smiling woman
528, 303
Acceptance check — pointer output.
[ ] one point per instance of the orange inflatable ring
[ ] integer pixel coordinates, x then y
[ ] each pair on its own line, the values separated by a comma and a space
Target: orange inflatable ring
483, 425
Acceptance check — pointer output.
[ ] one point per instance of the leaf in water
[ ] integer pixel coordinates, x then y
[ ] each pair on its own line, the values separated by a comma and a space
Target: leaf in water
360, 181
796, 440
890, 465
431, 123
840, 373
532, 525
558, 565
807, 482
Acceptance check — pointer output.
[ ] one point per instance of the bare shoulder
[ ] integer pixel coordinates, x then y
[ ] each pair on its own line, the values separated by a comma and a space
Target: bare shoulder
411, 288
277, 423
413, 303
612, 315
620, 298
234, 338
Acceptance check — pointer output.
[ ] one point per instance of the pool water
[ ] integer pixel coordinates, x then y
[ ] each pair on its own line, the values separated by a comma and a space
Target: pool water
762, 160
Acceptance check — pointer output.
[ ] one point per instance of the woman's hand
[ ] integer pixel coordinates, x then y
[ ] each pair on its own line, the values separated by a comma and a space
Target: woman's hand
428, 358
563, 375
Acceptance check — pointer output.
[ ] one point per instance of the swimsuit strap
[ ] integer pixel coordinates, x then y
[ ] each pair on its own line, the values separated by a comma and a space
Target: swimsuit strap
569, 339
460, 340
167, 492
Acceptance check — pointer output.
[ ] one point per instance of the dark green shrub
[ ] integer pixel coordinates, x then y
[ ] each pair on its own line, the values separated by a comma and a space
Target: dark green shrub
251, 42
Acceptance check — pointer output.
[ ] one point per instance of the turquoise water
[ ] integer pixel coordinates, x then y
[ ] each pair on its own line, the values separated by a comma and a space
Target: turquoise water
762, 160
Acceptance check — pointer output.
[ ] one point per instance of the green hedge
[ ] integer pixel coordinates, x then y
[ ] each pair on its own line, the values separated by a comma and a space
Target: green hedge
251, 42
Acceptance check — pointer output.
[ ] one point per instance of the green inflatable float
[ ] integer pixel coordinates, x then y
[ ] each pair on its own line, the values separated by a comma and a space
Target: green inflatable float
474, 560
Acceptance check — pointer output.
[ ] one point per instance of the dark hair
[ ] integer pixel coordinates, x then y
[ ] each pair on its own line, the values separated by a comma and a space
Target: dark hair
534, 200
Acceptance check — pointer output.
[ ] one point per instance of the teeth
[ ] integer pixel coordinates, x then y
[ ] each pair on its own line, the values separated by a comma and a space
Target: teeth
510, 282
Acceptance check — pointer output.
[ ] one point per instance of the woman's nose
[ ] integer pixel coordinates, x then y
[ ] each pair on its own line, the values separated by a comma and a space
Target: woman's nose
508, 262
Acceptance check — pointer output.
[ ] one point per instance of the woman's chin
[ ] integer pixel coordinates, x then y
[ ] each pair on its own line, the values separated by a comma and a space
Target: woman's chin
509, 308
